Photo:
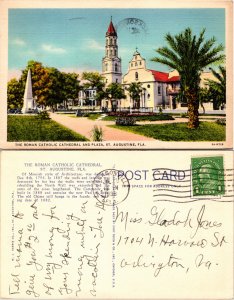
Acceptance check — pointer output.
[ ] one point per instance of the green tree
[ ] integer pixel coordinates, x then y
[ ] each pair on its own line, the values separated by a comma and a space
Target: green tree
94, 80
135, 89
71, 86
15, 93
217, 87
55, 93
50, 86
189, 55
40, 81
204, 97
114, 92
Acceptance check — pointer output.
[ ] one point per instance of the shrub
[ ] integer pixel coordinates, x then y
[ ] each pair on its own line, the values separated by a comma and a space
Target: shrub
160, 111
184, 115
125, 121
97, 134
43, 115
221, 121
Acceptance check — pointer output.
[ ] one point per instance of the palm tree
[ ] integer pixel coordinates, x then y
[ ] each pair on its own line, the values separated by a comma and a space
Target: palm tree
189, 55
217, 87
135, 90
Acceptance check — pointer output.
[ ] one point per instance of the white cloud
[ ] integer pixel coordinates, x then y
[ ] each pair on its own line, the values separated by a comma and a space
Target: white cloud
53, 49
18, 42
92, 44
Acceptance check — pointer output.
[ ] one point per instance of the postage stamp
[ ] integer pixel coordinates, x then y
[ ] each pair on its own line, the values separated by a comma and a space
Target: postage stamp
110, 187
208, 176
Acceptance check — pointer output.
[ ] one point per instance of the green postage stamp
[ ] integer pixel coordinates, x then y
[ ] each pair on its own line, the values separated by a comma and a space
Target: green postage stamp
208, 176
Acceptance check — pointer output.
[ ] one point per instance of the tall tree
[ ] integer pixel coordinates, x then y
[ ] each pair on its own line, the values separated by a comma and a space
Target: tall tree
71, 86
135, 89
114, 92
40, 81
204, 97
15, 93
55, 93
189, 55
217, 87
95, 81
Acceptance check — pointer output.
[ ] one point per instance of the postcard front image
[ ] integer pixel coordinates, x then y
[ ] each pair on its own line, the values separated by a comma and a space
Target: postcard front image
117, 77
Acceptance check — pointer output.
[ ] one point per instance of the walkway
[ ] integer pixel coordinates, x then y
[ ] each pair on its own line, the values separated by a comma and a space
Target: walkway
84, 127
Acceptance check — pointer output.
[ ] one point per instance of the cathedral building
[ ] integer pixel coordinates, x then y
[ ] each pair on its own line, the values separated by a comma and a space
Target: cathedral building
158, 89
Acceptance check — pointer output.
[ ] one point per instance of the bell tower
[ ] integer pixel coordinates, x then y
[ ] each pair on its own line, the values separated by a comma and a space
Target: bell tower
111, 63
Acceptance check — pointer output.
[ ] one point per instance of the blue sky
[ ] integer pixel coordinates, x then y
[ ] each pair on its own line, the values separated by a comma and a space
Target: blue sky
74, 39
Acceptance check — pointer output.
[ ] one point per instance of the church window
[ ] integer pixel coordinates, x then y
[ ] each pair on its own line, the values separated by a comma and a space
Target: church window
159, 90
106, 67
116, 80
148, 86
131, 64
116, 67
140, 63
135, 63
110, 52
148, 96
136, 76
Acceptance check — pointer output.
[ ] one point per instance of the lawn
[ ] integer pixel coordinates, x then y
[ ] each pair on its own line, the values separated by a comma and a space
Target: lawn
207, 131
30, 128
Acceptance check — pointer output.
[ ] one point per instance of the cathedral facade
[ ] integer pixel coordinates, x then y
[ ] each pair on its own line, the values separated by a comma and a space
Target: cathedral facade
158, 89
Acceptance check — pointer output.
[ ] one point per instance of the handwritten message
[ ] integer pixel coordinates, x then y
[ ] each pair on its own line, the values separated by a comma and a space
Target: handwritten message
81, 230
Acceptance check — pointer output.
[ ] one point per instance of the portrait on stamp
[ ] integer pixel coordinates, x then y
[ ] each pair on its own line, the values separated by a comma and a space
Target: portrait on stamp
208, 176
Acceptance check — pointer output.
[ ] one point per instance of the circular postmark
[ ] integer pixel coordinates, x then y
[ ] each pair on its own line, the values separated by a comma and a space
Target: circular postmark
133, 25
110, 187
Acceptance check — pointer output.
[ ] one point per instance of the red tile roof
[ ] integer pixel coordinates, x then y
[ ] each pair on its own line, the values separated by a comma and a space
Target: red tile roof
160, 76
164, 77
111, 30
174, 78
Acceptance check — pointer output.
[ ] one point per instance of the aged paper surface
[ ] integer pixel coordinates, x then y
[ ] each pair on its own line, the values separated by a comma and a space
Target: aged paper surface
113, 225
22, 40
130, 225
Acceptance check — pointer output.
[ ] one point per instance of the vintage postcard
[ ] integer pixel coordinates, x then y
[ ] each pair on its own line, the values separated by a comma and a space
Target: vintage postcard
116, 75
142, 226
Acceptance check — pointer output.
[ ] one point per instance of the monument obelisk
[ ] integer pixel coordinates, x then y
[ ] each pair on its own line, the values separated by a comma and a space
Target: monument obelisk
28, 95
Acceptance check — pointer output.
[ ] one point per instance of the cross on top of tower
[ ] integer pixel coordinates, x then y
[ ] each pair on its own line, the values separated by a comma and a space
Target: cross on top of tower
136, 52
